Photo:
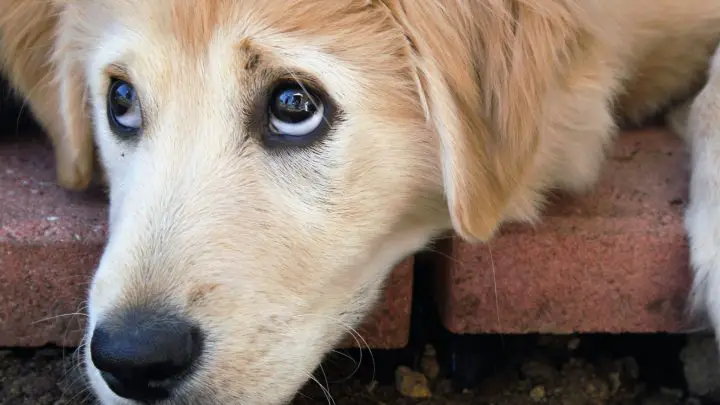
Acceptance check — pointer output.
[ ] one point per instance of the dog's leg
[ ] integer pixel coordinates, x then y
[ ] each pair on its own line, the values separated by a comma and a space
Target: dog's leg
27, 36
698, 122
677, 120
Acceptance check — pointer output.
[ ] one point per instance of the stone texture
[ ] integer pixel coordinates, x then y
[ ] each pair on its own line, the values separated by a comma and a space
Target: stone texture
614, 260
50, 242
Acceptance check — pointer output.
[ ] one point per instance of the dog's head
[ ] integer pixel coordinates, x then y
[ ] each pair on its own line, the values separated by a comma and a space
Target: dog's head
268, 164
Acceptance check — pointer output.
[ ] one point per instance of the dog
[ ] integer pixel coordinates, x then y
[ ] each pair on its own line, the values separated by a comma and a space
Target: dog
268, 163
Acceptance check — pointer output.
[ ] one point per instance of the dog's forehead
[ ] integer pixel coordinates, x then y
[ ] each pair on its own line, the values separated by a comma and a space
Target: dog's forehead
352, 30
195, 23
174, 42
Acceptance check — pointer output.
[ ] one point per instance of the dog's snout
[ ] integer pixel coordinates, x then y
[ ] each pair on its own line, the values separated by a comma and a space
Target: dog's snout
143, 354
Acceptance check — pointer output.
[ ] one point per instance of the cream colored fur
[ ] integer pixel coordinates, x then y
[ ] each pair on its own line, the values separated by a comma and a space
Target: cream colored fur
458, 115
699, 124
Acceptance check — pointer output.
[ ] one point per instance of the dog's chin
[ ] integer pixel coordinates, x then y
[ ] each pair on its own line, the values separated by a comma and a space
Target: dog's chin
103, 394
211, 389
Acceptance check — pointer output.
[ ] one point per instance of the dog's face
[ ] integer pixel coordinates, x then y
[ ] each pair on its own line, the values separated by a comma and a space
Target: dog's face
267, 164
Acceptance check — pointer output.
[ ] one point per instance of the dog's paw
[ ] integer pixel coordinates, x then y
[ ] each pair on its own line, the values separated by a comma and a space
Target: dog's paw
677, 119
73, 172
702, 223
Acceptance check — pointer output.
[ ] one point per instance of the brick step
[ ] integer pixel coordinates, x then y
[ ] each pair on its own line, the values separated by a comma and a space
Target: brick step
51, 240
614, 260
49, 243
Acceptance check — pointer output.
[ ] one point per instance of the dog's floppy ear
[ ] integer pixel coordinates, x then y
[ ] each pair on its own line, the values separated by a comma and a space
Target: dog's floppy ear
483, 69
75, 150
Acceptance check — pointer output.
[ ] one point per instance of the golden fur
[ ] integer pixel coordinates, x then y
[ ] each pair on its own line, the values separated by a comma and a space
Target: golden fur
457, 114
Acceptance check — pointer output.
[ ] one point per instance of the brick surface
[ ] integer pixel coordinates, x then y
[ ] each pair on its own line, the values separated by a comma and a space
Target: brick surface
611, 261
50, 242
388, 327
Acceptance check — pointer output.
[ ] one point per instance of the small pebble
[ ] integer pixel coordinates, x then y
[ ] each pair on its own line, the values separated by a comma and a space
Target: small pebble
615, 382
539, 371
538, 393
371, 387
429, 364
411, 384
629, 366
671, 392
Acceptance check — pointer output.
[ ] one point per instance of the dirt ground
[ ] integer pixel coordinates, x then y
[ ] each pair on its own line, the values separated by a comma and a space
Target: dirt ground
641, 370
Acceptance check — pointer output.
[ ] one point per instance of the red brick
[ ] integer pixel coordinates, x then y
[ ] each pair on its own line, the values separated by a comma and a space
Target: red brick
388, 327
614, 260
50, 242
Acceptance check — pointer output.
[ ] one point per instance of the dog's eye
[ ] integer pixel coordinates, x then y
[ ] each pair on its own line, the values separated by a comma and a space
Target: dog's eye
124, 111
295, 111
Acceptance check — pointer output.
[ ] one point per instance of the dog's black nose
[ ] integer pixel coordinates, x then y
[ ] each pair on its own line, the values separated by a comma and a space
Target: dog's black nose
142, 354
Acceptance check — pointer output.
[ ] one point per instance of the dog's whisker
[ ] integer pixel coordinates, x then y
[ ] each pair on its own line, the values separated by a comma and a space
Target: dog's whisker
54, 317
26, 98
359, 340
326, 391
84, 392
495, 292
356, 364
309, 95
327, 383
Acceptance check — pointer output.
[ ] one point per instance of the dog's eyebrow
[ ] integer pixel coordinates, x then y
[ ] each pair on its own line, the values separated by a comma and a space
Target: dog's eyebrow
299, 77
249, 54
118, 71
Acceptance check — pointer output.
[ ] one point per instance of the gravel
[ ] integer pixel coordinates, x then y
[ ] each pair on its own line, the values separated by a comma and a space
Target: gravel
38, 377
568, 370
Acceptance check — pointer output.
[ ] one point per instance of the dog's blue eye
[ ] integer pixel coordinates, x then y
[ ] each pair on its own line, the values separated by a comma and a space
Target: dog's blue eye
124, 113
295, 111
292, 105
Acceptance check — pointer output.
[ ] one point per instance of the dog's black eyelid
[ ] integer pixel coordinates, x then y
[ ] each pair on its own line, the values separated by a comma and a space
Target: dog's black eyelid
290, 115
121, 101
